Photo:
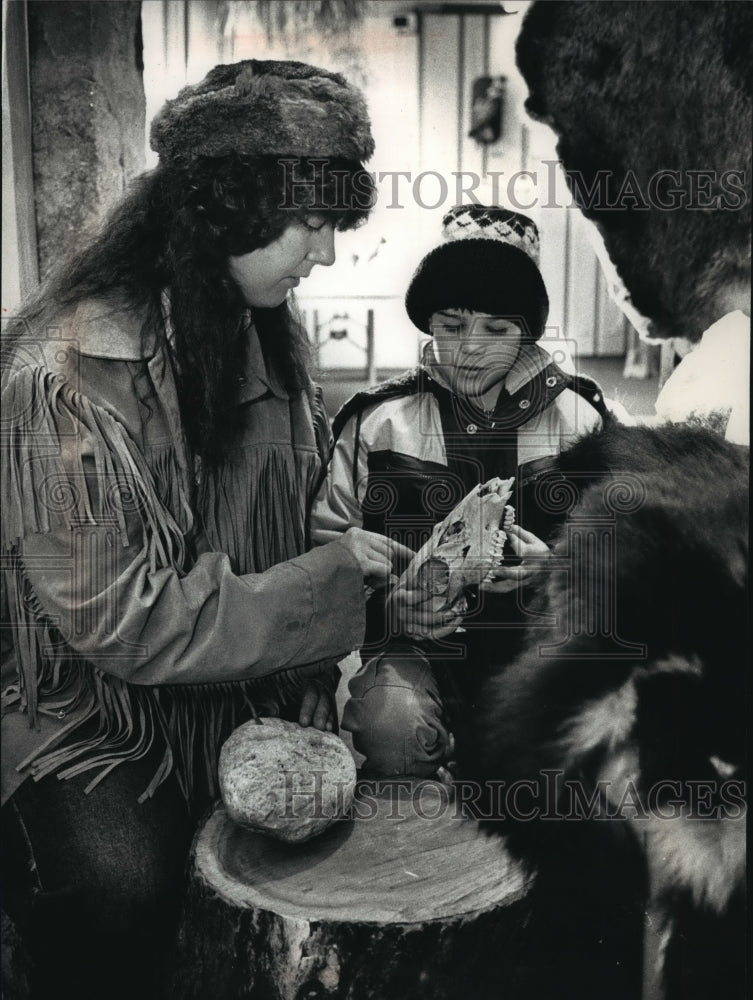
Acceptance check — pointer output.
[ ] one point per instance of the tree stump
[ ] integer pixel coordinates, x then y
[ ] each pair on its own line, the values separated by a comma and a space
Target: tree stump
405, 899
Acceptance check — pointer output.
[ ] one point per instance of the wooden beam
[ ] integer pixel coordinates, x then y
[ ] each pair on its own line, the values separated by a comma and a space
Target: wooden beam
20, 274
87, 116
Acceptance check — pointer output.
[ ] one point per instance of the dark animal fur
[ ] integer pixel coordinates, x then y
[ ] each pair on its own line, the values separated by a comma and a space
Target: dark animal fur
633, 89
679, 566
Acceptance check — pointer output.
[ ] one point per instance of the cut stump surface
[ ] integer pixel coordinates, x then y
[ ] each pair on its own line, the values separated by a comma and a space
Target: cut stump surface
406, 899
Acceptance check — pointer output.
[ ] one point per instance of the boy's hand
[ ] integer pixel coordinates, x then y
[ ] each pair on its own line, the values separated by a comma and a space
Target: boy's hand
410, 610
535, 555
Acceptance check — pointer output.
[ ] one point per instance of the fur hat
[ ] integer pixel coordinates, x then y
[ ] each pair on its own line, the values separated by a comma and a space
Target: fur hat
487, 263
264, 108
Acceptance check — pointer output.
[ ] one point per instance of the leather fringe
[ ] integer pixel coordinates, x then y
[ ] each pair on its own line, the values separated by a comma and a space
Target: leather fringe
255, 506
47, 487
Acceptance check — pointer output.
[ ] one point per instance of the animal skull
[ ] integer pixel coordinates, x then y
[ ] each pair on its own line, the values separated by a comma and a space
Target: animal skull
462, 548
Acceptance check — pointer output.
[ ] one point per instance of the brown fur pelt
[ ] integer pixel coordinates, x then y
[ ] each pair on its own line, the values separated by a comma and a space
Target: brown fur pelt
635, 89
262, 107
623, 723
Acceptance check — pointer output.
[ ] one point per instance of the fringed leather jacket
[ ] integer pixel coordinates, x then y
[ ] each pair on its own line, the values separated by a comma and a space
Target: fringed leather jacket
151, 603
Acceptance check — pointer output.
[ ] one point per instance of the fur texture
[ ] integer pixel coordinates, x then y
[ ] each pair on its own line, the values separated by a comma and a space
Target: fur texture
264, 108
635, 699
667, 87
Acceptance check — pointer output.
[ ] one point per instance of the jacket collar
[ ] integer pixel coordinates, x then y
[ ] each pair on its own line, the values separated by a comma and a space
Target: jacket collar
531, 360
108, 329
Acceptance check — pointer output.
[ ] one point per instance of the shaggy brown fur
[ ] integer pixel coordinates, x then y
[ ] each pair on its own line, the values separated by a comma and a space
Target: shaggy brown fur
264, 108
633, 89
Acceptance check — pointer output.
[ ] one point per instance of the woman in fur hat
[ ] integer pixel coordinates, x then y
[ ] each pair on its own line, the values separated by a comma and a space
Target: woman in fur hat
487, 401
162, 443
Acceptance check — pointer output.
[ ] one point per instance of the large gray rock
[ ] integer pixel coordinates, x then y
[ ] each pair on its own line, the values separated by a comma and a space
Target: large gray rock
285, 780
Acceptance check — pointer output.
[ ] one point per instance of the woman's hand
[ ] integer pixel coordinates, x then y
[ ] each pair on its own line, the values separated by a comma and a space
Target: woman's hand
410, 610
534, 554
318, 707
375, 554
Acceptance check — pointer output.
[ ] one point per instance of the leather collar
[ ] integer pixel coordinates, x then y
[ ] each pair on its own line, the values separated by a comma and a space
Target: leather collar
108, 329
105, 328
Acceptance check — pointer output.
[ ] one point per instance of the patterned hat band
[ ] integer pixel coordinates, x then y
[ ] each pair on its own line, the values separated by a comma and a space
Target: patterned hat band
475, 222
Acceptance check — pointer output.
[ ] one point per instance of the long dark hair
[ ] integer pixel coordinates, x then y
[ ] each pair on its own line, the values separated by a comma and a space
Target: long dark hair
174, 232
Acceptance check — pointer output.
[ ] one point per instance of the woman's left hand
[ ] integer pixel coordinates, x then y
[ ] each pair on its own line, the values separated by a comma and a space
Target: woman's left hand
318, 707
534, 554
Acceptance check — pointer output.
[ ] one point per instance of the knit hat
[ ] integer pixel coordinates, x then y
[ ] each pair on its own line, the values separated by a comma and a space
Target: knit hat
487, 263
264, 108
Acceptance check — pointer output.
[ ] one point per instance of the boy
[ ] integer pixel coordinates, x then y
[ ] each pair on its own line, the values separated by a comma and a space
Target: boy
486, 401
